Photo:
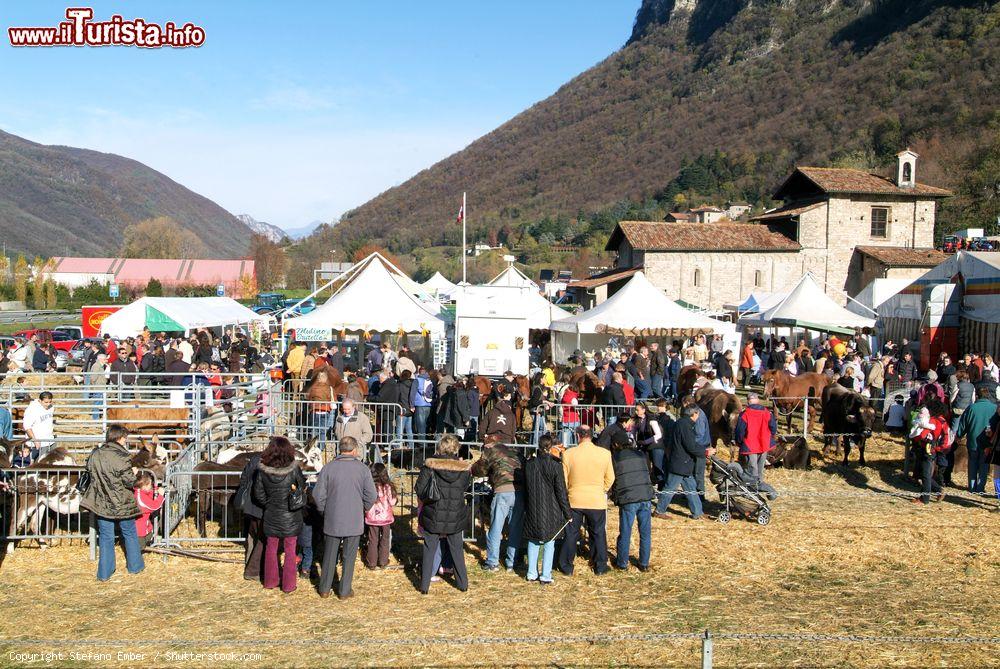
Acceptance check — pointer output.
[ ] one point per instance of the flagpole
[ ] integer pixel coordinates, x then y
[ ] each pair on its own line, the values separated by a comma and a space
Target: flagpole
465, 215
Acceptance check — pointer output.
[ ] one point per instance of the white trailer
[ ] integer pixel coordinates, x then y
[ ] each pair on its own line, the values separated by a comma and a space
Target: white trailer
492, 324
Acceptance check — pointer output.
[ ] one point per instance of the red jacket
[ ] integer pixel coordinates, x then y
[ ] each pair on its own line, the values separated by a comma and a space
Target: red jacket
746, 359
755, 430
629, 393
149, 503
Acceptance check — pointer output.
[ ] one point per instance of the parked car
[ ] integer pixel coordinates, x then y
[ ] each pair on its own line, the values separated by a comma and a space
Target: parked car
59, 340
74, 332
76, 353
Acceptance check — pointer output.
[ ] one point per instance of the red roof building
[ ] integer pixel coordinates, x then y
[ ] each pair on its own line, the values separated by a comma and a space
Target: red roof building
135, 273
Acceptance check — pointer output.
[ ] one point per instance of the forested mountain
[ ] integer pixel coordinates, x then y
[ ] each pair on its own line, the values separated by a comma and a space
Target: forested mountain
58, 200
715, 100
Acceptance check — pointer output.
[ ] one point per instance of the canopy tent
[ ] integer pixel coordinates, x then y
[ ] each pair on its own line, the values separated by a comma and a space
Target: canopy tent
540, 312
512, 276
875, 294
440, 286
757, 302
808, 306
177, 314
375, 296
637, 309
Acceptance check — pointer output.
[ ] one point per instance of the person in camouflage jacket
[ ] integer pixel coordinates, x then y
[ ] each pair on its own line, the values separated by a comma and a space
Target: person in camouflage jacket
505, 470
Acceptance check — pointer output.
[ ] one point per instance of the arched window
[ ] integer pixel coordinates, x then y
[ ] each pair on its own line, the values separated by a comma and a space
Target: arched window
697, 278
756, 278
907, 172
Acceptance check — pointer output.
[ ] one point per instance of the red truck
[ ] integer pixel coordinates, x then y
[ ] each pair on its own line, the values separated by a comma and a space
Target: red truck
94, 315
59, 340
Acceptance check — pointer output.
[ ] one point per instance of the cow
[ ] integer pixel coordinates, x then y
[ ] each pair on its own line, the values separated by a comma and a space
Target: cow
790, 452
174, 423
50, 485
216, 481
47, 485
688, 380
850, 415
722, 410
786, 393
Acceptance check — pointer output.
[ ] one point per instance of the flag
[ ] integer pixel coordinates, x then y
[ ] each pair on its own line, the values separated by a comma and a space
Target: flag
461, 214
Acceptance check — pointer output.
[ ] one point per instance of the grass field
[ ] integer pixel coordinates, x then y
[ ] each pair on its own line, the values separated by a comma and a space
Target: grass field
835, 559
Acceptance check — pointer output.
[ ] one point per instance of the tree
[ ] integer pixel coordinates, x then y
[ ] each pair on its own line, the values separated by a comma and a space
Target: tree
367, 249
4, 271
21, 274
154, 288
38, 268
161, 237
50, 294
270, 262
247, 286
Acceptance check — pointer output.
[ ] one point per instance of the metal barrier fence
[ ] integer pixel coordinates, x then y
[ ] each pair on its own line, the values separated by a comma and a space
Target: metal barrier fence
44, 505
207, 496
304, 419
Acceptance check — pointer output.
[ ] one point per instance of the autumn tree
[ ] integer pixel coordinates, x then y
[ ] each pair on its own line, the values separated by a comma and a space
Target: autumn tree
248, 286
38, 268
368, 249
21, 274
270, 262
51, 298
161, 237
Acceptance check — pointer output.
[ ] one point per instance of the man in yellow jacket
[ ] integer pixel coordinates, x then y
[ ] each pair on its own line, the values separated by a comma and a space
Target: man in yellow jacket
589, 477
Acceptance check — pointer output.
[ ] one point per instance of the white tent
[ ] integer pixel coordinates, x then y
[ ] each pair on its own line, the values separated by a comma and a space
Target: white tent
875, 294
375, 296
808, 306
177, 314
757, 302
637, 309
492, 327
512, 276
440, 286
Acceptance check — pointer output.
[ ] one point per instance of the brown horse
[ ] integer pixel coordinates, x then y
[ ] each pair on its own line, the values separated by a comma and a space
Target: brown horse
687, 379
786, 393
592, 386
722, 410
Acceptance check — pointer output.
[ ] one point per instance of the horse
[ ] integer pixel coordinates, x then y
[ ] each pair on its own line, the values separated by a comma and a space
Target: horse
592, 386
722, 410
786, 393
687, 380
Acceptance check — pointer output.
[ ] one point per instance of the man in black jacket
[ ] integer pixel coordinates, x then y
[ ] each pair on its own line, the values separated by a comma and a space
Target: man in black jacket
631, 492
253, 553
622, 426
613, 393
777, 358
681, 466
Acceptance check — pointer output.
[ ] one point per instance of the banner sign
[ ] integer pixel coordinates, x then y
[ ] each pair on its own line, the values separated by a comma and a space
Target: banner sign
313, 334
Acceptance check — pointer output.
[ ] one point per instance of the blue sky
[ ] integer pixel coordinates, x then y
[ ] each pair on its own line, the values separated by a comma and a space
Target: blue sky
292, 116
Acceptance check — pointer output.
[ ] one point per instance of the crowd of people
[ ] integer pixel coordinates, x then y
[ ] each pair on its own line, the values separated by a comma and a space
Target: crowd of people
552, 472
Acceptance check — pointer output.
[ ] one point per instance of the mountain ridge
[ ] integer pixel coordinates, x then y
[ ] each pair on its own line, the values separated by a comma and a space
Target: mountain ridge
60, 200
767, 84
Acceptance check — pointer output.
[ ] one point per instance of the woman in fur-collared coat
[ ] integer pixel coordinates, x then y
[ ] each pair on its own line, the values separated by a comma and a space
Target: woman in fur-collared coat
445, 518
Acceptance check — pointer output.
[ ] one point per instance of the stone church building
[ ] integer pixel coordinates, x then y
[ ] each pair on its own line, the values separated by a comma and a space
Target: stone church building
834, 223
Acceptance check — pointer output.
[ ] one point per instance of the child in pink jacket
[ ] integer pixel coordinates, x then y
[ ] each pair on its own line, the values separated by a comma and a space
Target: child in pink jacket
149, 502
378, 520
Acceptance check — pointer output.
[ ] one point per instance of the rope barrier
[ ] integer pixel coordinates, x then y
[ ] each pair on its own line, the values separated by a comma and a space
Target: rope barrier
518, 640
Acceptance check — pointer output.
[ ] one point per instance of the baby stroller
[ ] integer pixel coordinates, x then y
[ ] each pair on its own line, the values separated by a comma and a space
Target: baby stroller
738, 491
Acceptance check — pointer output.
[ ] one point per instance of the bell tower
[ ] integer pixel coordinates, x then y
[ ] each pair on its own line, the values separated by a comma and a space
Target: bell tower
906, 169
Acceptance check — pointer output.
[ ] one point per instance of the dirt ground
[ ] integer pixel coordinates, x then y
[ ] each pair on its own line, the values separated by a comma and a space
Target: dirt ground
835, 560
